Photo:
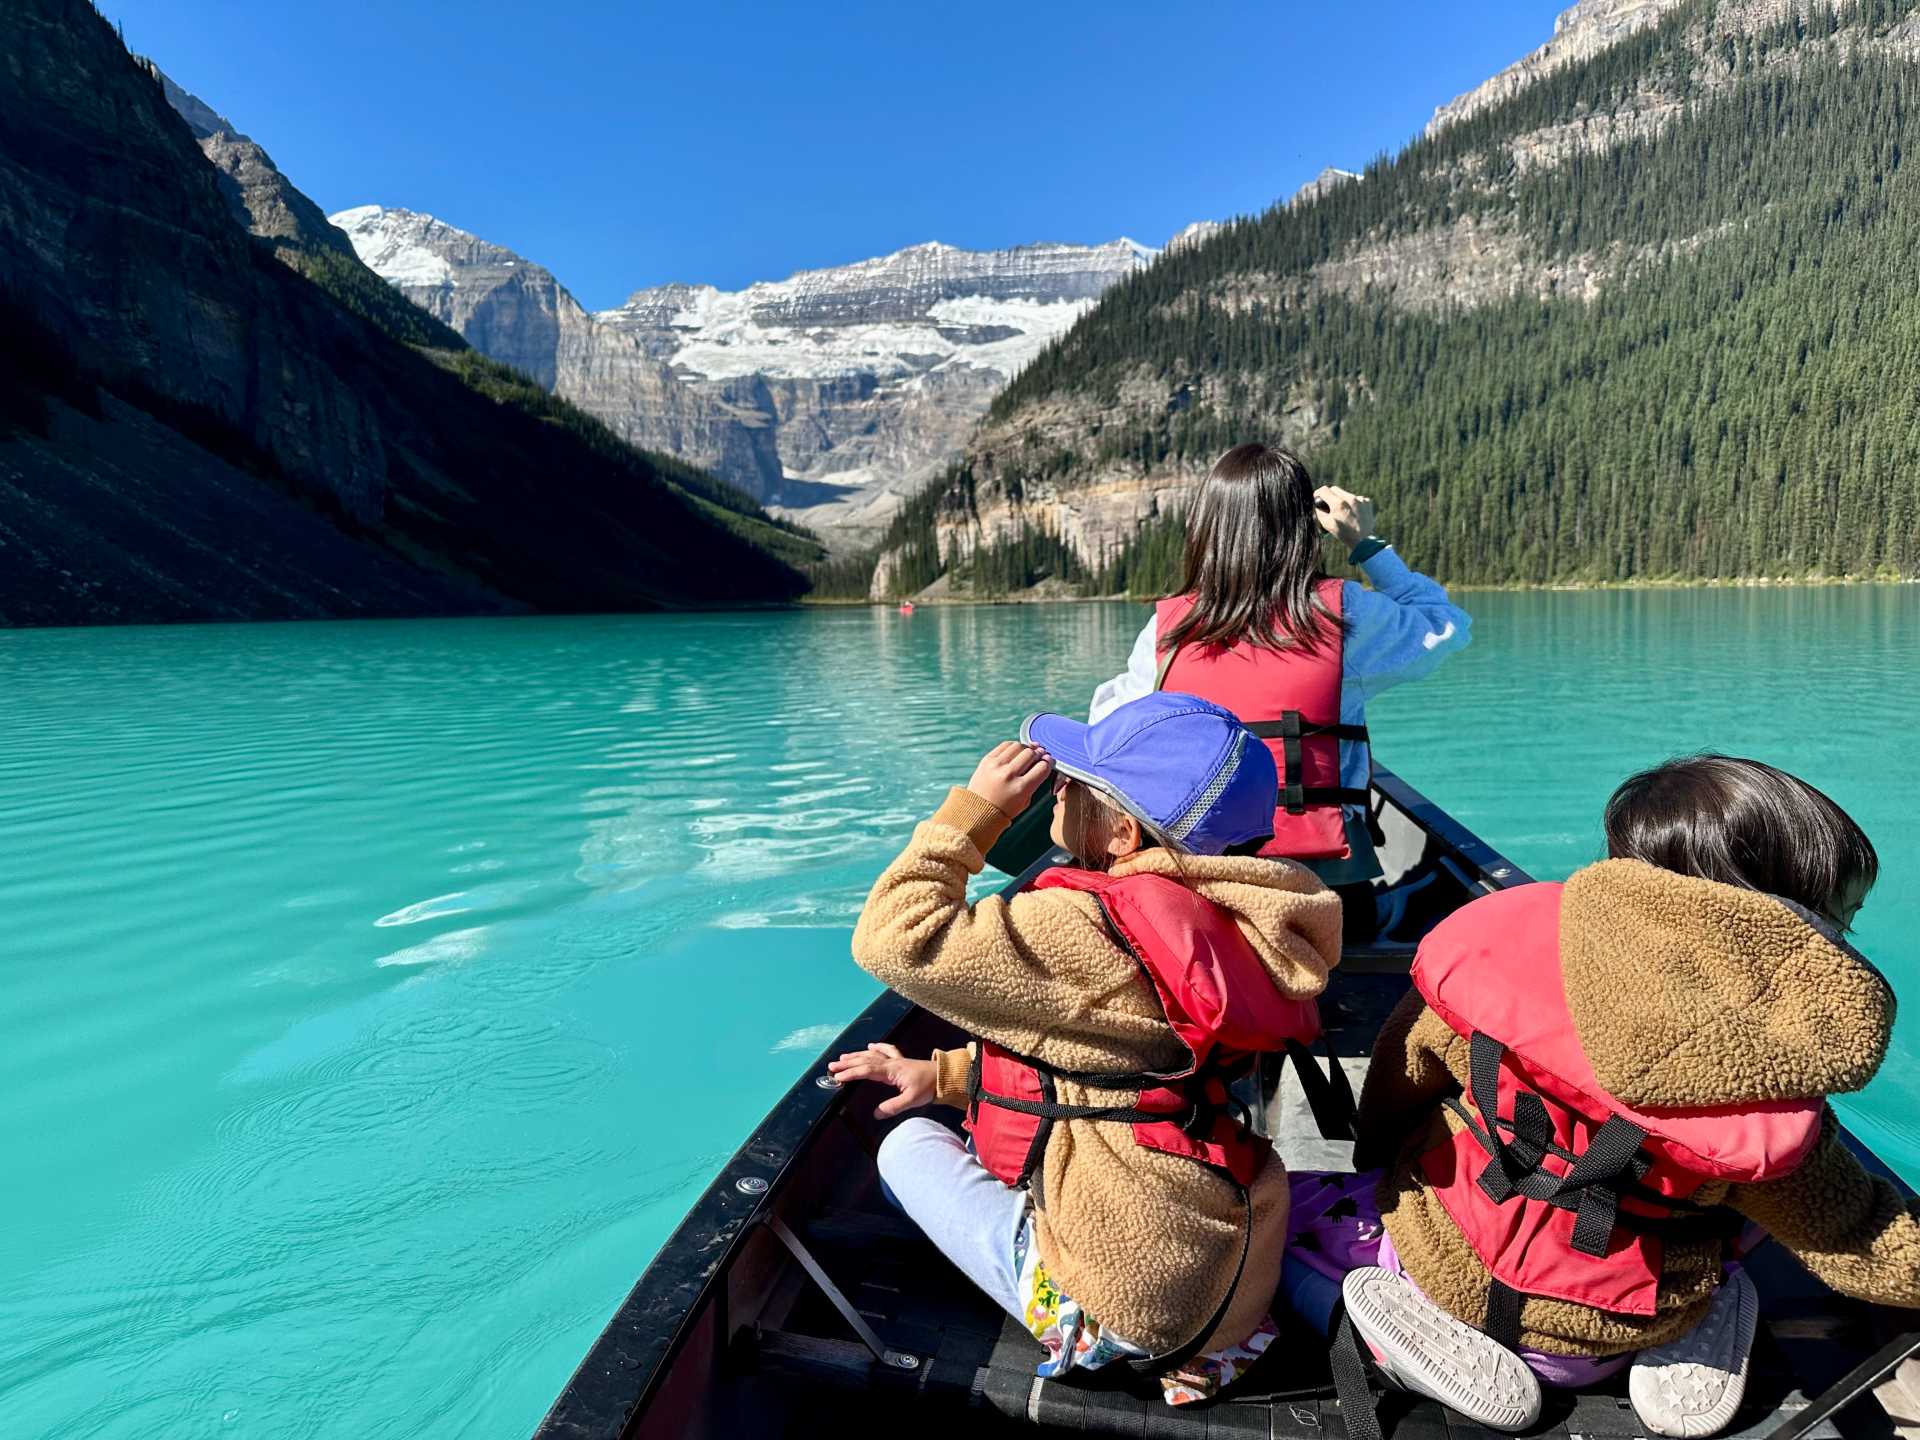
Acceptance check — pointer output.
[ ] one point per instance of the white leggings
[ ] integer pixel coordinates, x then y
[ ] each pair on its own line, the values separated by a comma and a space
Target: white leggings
968, 1214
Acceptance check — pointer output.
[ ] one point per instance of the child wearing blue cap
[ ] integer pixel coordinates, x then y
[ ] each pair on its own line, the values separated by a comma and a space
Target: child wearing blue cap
1108, 1198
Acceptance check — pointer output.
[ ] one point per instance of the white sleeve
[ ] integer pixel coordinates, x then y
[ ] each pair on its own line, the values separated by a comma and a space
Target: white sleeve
1136, 681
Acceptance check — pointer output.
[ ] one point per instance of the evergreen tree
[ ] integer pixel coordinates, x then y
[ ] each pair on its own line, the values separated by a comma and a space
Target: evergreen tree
1740, 398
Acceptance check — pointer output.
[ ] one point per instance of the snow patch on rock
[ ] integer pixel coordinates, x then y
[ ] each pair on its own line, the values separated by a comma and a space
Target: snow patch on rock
397, 245
831, 392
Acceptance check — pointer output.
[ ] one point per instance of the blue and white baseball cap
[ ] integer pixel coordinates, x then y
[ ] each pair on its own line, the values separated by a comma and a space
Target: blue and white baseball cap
1187, 770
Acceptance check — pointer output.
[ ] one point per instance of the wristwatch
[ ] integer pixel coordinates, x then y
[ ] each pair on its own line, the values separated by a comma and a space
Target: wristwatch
1366, 550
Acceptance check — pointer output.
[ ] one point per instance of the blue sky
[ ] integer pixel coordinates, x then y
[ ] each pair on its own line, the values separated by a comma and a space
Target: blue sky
626, 145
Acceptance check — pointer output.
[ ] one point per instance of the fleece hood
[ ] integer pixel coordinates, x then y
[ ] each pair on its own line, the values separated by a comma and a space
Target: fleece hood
1689, 992
1288, 916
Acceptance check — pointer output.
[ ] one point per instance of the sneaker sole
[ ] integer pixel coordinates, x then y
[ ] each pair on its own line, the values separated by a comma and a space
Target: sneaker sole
1428, 1351
1650, 1406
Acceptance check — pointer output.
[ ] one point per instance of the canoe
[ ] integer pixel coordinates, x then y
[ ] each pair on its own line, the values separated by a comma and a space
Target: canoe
793, 1300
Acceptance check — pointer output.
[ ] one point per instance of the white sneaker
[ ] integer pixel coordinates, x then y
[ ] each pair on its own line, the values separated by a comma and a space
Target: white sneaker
1692, 1386
1422, 1348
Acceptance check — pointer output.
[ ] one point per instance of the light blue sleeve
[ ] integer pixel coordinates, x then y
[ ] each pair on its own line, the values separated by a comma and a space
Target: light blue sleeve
1136, 681
1399, 630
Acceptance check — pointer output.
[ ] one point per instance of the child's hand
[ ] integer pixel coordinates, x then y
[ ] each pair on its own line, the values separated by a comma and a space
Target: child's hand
914, 1079
1010, 775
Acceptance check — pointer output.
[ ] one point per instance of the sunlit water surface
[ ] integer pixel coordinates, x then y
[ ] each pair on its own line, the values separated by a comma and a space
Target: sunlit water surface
375, 997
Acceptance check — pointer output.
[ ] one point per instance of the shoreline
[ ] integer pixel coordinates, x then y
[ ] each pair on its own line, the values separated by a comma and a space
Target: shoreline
1741, 582
1753, 582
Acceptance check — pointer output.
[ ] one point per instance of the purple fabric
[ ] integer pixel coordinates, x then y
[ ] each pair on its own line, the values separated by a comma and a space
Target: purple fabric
1334, 1226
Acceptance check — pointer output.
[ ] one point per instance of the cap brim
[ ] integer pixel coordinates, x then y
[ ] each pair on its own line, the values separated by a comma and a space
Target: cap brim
1065, 742
1063, 739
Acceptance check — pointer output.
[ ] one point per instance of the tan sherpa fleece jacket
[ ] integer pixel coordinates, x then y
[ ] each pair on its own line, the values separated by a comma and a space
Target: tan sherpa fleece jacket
1146, 1242
1684, 993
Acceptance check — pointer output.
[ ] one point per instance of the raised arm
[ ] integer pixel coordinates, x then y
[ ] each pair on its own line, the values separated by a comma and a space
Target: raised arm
1405, 625
1401, 629
1008, 971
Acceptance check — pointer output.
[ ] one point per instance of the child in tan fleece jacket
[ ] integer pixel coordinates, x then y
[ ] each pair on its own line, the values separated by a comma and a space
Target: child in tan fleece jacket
1704, 967
1115, 1250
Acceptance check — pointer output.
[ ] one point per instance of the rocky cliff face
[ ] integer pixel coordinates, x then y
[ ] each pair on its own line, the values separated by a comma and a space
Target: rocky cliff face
870, 376
192, 427
830, 394
1588, 27
1097, 509
504, 306
1580, 31
518, 313
263, 200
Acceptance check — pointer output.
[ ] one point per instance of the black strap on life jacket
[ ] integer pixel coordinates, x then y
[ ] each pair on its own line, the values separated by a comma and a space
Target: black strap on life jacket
1191, 1080
1290, 729
1598, 1178
1036, 1147
1197, 1121
1188, 1120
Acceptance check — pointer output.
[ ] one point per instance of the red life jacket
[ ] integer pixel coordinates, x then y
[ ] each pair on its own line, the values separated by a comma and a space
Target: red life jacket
1290, 699
1572, 1194
1219, 999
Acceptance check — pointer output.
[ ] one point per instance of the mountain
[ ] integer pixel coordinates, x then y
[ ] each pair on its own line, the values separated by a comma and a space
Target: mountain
267, 206
1579, 33
1639, 308
830, 394
504, 307
516, 312
210, 409
1327, 180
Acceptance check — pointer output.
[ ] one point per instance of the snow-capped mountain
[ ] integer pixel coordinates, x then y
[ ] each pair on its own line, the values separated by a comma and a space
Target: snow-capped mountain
506, 307
993, 309
830, 393
1194, 234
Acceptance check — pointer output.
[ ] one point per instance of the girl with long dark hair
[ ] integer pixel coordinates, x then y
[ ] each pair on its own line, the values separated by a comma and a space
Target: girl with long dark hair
1258, 627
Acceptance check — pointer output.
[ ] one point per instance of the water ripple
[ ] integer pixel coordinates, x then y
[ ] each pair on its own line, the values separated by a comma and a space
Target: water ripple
379, 995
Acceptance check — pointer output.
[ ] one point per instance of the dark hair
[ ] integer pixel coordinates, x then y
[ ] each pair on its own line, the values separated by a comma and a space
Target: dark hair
1742, 823
1253, 550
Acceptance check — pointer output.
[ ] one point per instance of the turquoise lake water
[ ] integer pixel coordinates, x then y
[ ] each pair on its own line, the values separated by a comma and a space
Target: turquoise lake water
377, 996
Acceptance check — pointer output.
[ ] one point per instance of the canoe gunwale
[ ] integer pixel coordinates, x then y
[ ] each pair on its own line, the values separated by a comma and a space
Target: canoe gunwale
635, 1353
636, 1350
